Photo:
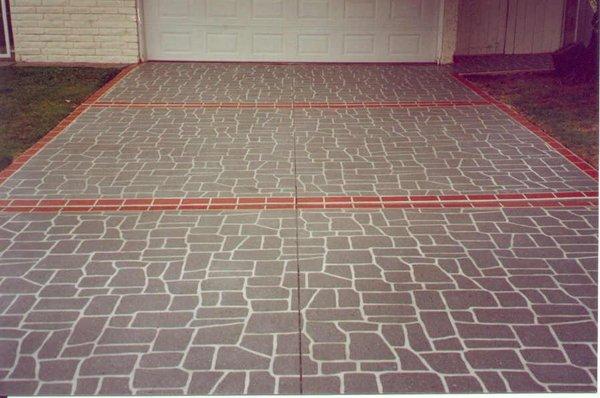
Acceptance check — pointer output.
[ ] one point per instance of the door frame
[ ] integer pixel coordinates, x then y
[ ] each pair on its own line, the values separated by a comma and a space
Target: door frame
440, 35
139, 19
7, 30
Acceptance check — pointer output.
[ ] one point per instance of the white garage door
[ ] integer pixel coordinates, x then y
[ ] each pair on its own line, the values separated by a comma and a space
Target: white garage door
292, 30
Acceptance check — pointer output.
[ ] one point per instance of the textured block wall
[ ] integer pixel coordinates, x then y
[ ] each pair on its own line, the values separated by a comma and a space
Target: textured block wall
75, 30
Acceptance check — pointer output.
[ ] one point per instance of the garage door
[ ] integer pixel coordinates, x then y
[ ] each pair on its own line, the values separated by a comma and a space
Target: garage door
292, 30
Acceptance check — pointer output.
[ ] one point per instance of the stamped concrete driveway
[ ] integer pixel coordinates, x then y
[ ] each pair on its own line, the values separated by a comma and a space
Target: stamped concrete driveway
259, 229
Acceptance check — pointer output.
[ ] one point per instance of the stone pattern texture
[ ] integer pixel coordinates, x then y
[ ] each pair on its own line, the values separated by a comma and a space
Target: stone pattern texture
164, 153
221, 152
264, 302
75, 30
419, 151
440, 301
389, 301
177, 82
149, 303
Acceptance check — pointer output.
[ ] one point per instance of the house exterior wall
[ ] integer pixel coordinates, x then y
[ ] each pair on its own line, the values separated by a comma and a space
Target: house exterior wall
75, 30
449, 30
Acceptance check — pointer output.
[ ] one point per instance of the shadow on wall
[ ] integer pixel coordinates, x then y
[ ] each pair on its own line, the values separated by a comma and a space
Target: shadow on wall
578, 18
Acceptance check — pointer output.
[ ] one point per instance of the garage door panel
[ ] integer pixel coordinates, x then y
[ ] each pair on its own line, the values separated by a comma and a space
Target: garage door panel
409, 9
314, 9
223, 9
404, 44
292, 30
268, 44
359, 44
317, 44
271, 9
175, 8
188, 10
360, 9
418, 11
175, 42
222, 42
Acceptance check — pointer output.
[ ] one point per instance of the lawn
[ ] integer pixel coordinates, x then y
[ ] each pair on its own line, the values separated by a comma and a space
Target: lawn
568, 112
34, 99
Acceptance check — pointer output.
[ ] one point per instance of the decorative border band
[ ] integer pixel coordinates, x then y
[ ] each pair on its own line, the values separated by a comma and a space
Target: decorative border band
542, 199
291, 105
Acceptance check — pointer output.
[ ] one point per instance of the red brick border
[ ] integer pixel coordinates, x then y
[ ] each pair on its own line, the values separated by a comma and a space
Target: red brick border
35, 148
104, 89
581, 164
59, 128
298, 105
543, 199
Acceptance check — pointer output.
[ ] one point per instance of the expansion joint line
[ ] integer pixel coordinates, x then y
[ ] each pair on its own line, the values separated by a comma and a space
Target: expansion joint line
298, 273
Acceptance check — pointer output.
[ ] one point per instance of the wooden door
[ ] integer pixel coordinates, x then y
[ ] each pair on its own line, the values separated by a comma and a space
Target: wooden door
509, 26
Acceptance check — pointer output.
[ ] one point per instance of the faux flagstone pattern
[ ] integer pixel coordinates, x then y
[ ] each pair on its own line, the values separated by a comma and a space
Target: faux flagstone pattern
221, 152
438, 151
100, 295
117, 153
390, 301
149, 303
175, 82
449, 301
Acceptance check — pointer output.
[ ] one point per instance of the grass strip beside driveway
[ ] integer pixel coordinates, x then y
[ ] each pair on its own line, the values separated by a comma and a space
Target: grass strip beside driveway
34, 99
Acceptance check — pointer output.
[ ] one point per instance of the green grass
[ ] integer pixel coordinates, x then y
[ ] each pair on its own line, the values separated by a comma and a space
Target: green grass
34, 99
568, 112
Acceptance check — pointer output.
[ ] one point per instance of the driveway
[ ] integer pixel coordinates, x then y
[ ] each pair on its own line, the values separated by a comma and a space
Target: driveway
258, 229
